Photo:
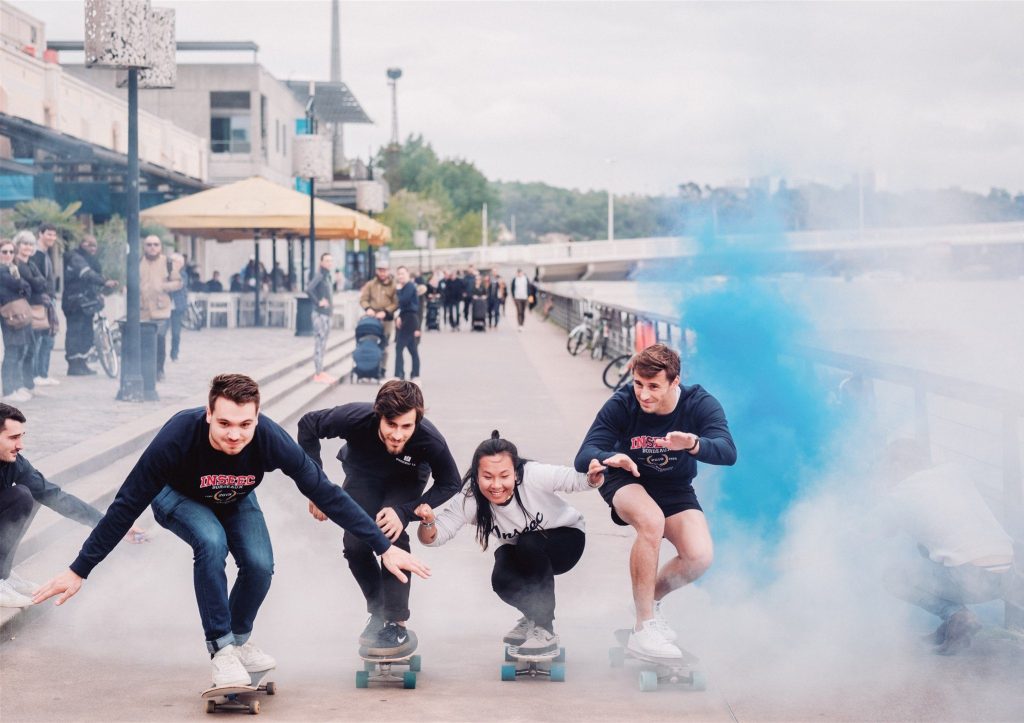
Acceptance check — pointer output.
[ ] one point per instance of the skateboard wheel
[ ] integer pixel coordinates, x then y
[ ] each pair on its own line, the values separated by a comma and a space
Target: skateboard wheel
616, 657
362, 679
271, 688
254, 708
560, 658
368, 666
211, 706
408, 680
648, 681
698, 681
558, 673
508, 672
415, 663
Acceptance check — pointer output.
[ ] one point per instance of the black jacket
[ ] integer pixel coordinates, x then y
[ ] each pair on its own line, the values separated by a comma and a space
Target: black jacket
21, 472
83, 279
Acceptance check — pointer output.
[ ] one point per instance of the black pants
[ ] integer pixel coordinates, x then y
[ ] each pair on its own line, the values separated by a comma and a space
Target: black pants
16, 505
177, 318
520, 310
492, 313
79, 337
524, 573
451, 314
467, 305
385, 595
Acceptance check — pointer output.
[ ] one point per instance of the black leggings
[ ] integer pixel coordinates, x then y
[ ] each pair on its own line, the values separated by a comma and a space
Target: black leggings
524, 573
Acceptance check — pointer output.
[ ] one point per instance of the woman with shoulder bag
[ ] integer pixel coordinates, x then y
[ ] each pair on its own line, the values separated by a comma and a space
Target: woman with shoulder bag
16, 340
24, 247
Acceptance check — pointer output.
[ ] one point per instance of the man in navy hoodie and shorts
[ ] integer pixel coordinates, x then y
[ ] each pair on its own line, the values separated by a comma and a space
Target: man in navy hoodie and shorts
652, 436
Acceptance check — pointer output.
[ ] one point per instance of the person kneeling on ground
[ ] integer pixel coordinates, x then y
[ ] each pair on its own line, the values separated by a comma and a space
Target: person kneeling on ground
539, 535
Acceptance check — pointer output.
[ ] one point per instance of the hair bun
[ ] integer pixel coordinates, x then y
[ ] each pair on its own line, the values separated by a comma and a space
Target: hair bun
495, 434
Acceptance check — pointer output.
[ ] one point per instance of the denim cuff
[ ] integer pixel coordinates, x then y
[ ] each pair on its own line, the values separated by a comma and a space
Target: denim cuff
220, 643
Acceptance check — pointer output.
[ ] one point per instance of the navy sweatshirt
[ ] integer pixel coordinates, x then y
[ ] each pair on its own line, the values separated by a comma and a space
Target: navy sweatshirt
366, 457
21, 472
622, 426
181, 456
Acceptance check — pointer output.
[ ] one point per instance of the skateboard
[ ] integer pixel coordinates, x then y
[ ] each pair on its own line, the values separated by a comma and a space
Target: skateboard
550, 665
239, 697
377, 669
683, 670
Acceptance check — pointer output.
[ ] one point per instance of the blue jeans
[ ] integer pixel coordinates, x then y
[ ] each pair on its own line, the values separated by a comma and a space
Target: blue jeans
44, 347
213, 532
943, 590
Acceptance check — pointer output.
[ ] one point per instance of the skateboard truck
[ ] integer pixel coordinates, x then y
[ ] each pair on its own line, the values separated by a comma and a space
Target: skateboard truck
550, 665
378, 670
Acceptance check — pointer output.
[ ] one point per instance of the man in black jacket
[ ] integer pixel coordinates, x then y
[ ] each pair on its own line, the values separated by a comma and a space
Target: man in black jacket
22, 487
83, 280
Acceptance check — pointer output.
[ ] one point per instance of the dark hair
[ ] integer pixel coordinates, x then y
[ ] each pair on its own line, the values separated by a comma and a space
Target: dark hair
237, 388
656, 358
44, 227
324, 255
9, 412
491, 447
397, 397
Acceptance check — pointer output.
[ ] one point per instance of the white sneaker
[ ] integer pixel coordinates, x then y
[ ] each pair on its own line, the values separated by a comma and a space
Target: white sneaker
45, 382
21, 395
253, 659
518, 634
228, 669
539, 641
651, 643
663, 627
25, 587
11, 598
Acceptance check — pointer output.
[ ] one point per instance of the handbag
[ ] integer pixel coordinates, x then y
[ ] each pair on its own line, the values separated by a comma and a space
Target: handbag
40, 319
17, 314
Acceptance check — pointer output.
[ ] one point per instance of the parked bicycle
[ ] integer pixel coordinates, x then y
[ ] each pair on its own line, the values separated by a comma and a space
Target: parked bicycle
589, 334
619, 372
195, 317
106, 345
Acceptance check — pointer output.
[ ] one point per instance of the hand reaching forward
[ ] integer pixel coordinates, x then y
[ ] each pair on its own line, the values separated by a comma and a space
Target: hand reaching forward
623, 461
396, 559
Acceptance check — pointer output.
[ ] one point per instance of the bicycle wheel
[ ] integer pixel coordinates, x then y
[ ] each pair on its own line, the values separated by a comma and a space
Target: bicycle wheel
105, 350
191, 320
597, 350
618, 373
577, 340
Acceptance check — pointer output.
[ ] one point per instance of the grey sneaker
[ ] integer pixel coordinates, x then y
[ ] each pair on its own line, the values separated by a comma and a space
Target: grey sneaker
11, 598
25, 587
539, 641
518, 634
393, 640
960, 628
373, 627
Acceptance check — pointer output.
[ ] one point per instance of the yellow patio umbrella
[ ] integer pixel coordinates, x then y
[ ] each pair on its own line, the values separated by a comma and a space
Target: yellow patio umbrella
258, 207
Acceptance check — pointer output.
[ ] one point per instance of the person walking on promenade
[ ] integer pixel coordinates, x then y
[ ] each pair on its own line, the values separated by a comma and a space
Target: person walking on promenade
321, 293
200, 474
159, 276
520, 295
653, 435
537, 537
452, 299
21, 488
179, 305
17, 336
391, 451
83, 280
42, 260
493, 301
407, 325
379, 298
24, 248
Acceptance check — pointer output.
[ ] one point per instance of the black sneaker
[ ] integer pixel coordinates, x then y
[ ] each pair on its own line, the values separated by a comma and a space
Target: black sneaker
960, 628
373, 627
393, 639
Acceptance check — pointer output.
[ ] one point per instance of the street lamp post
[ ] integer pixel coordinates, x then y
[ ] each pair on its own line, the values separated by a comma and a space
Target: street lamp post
611, 204
130, 34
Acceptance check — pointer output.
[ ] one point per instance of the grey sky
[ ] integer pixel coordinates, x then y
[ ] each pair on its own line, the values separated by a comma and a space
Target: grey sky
928, 95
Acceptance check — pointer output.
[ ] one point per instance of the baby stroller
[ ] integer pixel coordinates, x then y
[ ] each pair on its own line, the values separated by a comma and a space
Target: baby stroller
433, 312
368, 356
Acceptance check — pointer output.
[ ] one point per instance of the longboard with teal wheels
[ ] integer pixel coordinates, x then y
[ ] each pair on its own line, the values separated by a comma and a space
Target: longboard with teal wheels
549, 665
683, 671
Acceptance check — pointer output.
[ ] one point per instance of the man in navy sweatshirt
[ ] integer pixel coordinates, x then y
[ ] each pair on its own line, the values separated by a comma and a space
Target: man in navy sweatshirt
653, 435
200, 473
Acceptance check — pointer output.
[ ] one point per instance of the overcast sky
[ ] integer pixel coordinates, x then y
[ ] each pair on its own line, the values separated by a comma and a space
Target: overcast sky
927, 95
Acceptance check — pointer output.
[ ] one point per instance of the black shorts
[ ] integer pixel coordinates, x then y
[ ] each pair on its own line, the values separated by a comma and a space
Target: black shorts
671, 497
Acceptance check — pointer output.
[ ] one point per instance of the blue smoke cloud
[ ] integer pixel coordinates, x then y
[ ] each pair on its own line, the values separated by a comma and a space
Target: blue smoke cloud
745, 333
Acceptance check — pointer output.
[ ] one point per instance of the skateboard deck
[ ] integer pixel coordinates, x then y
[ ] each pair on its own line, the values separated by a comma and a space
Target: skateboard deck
378, 669
239, 697
684, 670
549, 665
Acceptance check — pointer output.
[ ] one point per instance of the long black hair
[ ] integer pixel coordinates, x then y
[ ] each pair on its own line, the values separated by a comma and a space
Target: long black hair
490, 447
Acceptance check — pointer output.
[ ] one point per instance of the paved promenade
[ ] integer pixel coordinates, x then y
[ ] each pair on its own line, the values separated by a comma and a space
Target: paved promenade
129, 646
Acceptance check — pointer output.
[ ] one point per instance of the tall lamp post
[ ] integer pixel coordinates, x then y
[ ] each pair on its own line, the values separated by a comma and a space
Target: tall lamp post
133, 36
611, 203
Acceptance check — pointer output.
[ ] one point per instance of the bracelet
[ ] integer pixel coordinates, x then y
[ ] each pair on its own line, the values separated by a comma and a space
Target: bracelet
428, 525
694, 446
